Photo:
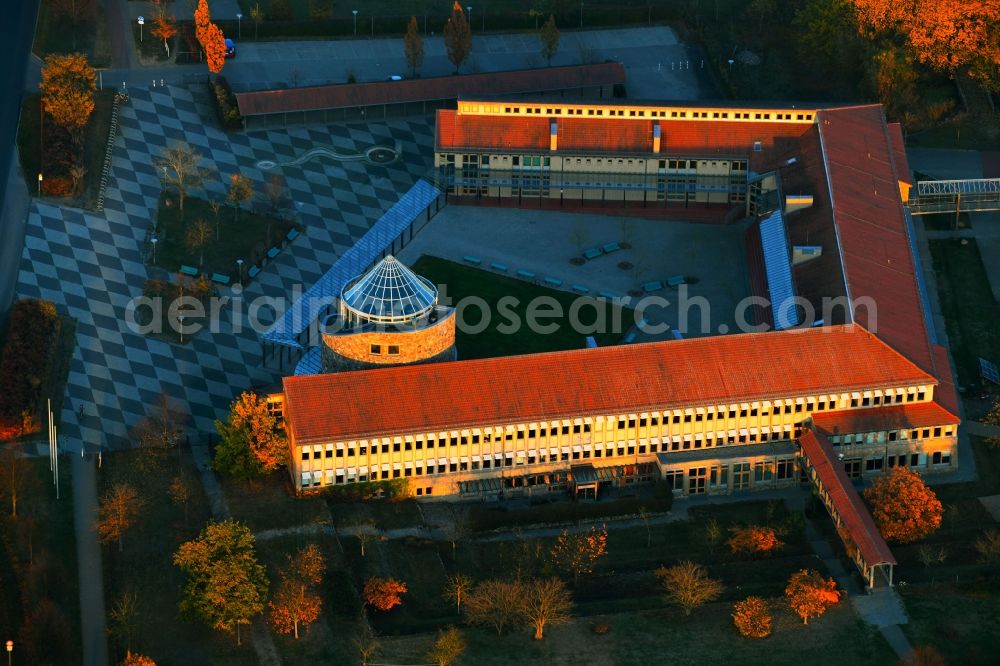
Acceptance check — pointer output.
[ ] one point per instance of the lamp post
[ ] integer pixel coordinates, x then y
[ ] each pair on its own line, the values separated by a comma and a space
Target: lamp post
239, 26
581, 14
468, 10
239, 265
154, 240
180, 318
142, 21
731, 61
355, 12
10, 650
39, 183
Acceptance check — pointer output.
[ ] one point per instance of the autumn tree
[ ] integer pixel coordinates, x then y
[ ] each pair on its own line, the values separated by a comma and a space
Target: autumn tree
810, 595
383, 594
181, 491
546, 602
754, 539
456, 588
158, 432
14, 472
495, 603
413, 46
752, 617
118, 511
895, 85
226, 586
457, 37
297, 600
180, 166
549, 37
164, 25
215, 48
687, 584
253, 441
365, 642
456, 527
124, 617
240, 190
196, 237
448, 646
257, 16
365, 531
135, 659
578, 552
68, 86
905, 509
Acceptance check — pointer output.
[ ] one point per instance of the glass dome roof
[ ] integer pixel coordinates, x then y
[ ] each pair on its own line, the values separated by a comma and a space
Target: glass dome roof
389, 293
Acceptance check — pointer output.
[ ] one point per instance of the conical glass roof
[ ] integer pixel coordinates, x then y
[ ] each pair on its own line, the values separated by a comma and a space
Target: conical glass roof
389, 293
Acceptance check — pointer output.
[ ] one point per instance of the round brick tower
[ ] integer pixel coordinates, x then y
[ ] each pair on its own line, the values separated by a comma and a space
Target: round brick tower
388, 316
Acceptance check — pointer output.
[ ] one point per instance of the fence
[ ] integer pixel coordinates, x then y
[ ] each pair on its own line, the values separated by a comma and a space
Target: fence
112, 135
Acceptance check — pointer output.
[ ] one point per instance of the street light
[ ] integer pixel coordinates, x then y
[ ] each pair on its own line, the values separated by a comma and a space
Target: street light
180, 318
468, 10
239, 26
39, 183
239, 264
154, 240
142, 21
10, 649
355, 12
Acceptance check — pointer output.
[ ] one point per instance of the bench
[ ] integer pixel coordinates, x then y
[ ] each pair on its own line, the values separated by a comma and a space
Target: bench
610, 295
580, 289
475, 261
253, 272
499, 267
527, 275
592, 253
650, 287
675, 280
611, 247
292, 235
220, 278
188, 270
273, 252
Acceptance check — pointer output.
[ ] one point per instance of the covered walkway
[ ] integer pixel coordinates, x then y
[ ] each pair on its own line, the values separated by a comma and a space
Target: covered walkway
863, 541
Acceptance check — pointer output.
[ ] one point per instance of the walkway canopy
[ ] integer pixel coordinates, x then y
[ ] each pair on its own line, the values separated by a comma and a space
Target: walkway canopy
864, 542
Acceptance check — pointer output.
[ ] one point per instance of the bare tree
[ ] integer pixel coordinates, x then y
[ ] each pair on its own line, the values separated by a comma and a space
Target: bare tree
13, 474
365, 531
687, 584
158, 432
496, 603
274, 188
547, 602
180, 491
456, 527
456, 589
365, 642
180, 167
124, 616
197, 237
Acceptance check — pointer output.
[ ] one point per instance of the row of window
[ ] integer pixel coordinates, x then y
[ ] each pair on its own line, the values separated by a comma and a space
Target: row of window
654, 113
700, 479
892, 436
390, 350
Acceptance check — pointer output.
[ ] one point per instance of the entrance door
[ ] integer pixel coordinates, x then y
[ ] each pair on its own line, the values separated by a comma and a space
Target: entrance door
697, 479
741, 476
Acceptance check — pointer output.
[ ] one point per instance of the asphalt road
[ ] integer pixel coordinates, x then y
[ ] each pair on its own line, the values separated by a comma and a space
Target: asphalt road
17, 27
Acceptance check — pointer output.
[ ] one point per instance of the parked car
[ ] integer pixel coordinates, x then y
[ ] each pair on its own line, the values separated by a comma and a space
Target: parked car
230, 48
394, 77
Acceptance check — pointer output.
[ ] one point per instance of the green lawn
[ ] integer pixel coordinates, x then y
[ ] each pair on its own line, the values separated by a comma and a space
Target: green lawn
463, 282
961, 621
247, 236
484, 518
267, 503
963, 131
971, 313
95, 141
385, 515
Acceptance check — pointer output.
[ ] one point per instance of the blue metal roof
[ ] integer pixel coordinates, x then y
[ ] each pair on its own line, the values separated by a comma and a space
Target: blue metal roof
778, 268
925, 303
351, 264
311, 362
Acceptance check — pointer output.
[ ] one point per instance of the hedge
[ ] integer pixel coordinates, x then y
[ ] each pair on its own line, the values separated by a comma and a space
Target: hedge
26, 361
484, 519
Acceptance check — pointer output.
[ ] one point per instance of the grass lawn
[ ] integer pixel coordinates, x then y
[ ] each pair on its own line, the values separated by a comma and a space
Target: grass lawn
484, 518
145, 566
666, 636
971, 312
963, 131
459, 282
52, 546
386, 515
267, 503
88, 37
249, 236
961, 621
95, 142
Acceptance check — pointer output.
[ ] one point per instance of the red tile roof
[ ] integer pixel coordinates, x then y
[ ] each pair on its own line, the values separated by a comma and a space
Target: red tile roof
608, 380
816, 447
899, 152
351, 95
894, 417
615, 135
874, 239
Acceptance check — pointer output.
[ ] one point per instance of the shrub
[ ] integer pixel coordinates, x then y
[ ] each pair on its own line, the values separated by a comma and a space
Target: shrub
33, 331
225, 104
57, 186
988, 546
754, 539
752, 618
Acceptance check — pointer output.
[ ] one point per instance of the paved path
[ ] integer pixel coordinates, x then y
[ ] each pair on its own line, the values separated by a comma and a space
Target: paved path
116, 14
88, 559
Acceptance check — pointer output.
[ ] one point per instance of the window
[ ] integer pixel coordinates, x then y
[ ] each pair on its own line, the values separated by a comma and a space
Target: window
305, 455
393, 350
785, 468
873, 465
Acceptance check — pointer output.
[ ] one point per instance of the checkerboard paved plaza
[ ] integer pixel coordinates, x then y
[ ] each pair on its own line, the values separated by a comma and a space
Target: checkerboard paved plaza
91, 265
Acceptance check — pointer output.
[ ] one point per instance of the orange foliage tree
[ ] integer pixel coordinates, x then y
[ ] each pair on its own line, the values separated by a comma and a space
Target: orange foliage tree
215, 48
297, 601
253, 441
754, 539
118, 511
577, 552
903, 507
164, 25
202, 17
809, 594
752, 618
133, 659
383, 593
68, 85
